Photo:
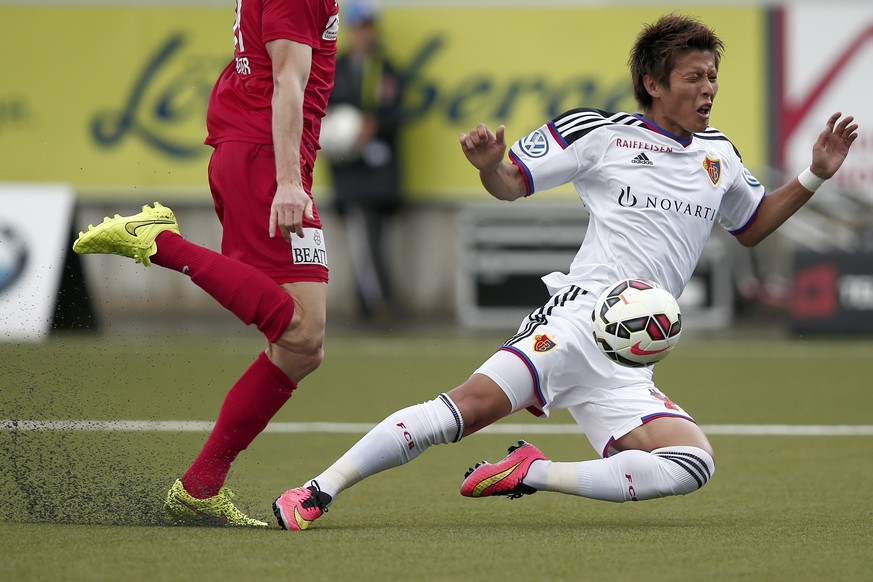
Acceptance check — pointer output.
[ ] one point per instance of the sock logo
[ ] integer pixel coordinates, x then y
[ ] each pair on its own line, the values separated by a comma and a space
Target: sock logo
630, 488
407, 435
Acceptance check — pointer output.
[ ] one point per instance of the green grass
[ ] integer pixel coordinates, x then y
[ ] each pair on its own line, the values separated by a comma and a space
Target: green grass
84, 506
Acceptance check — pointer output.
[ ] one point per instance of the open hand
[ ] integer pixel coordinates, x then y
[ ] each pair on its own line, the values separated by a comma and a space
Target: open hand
483, 148
832, 145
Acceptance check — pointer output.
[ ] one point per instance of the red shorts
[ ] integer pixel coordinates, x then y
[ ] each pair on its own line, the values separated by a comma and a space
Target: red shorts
242, 178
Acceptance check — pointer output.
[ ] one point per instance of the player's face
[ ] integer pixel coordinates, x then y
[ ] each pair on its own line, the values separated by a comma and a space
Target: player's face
684, 107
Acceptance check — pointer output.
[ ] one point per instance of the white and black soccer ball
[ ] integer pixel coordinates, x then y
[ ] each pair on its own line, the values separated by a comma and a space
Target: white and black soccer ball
636, 322
340, 130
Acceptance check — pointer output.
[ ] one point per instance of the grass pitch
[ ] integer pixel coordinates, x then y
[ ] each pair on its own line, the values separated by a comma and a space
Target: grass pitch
85, 505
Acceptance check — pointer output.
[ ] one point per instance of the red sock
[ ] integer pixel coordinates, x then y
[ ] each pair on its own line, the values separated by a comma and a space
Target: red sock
246, 292
251, 403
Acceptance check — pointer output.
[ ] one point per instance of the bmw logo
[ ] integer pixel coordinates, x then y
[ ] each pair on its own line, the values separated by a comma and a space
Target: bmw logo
13, 256
535, 145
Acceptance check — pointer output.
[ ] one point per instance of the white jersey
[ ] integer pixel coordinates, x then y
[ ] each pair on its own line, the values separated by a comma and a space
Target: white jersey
652, 198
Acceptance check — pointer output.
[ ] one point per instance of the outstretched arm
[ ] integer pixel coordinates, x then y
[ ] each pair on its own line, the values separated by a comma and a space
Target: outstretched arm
485, 150
828, 154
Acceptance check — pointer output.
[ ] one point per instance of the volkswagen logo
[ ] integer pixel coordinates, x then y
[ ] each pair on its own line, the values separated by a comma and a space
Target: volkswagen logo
535, 145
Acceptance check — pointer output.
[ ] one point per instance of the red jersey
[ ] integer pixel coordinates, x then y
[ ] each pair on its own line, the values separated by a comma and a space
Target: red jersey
240, 107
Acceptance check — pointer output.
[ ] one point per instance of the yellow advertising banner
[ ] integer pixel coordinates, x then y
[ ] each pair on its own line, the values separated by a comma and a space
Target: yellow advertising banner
113, 99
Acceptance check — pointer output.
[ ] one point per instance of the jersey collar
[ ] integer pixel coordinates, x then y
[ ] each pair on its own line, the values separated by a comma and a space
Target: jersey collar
658, 129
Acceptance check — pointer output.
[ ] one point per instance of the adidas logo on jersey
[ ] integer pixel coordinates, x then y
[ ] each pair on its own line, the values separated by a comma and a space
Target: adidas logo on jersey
642, 159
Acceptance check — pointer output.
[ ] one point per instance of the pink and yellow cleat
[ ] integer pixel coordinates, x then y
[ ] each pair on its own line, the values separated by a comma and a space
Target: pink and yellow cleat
296, 509
504, 477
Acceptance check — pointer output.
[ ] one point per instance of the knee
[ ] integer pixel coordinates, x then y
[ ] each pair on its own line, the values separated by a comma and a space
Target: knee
312, 358
688, 468
301, 354
296, 365
481, 402
305, 337
310, 346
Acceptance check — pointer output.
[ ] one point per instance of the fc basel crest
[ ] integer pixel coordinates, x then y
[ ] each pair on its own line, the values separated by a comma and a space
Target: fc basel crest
713, 169
543, 343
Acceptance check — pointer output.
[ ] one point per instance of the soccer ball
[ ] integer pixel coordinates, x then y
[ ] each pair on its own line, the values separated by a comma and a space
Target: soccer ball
636, 322
340, 129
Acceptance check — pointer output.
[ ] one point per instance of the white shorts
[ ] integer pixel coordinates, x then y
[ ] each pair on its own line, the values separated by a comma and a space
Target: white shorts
553, 363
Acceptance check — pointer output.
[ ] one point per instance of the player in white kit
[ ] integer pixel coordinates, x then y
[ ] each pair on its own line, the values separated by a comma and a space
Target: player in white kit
654, 185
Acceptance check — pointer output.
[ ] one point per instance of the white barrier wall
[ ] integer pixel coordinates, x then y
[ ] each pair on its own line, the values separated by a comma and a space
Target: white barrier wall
34, 229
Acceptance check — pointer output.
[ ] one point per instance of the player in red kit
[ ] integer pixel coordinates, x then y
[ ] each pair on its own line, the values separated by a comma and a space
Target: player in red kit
263, 122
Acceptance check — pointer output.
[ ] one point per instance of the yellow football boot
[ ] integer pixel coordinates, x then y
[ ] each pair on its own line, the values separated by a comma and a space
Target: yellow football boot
128, 236
182, 509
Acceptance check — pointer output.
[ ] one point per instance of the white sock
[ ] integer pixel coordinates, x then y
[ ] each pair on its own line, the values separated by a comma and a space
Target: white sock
395, 441
627, 476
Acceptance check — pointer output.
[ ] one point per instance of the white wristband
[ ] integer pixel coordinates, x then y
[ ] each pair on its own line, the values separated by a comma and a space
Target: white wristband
809, 180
